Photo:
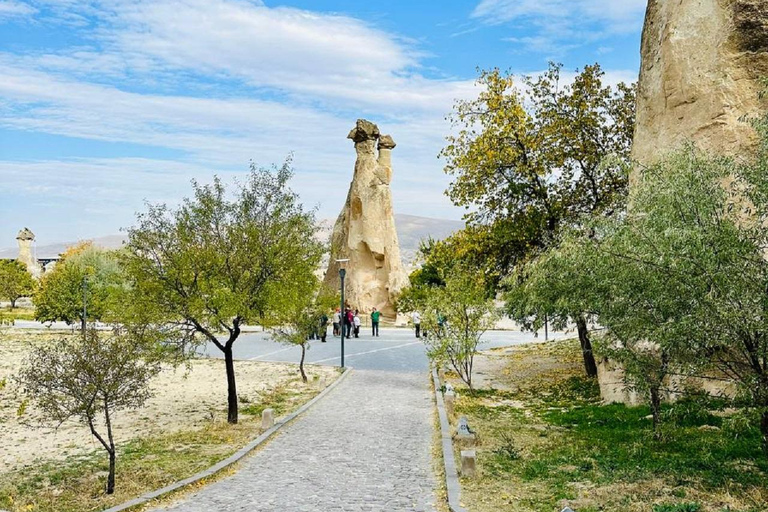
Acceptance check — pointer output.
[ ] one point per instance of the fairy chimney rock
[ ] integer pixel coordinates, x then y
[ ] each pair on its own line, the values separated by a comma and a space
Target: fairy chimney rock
701, 65
26, 238
365, 231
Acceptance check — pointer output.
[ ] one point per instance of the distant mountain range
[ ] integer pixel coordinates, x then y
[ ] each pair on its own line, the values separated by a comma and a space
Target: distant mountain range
411, 230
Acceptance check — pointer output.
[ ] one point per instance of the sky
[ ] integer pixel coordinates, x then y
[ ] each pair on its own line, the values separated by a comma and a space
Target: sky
108, 104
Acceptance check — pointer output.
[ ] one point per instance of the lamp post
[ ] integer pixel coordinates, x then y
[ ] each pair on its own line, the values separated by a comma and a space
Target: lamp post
342, 275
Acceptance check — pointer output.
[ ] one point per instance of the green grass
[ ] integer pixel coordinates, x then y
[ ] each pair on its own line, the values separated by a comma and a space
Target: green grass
551, 441
17, 313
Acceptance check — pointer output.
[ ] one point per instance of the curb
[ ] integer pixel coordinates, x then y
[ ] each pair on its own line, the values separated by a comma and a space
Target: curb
452, 484
235, 457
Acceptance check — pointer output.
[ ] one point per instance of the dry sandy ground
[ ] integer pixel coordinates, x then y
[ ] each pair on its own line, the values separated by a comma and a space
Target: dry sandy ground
184, 398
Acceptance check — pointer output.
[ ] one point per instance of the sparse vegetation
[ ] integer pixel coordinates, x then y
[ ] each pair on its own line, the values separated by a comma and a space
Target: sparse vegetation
546, 441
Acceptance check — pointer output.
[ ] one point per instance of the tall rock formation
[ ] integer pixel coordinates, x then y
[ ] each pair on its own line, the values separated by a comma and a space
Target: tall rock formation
365, 231
26, 238
701, 65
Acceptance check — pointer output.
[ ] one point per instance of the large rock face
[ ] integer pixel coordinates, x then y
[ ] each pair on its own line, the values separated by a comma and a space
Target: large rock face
365, 230
701, 65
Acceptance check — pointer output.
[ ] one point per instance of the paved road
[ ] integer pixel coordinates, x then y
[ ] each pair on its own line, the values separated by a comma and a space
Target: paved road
365, 446
395, 350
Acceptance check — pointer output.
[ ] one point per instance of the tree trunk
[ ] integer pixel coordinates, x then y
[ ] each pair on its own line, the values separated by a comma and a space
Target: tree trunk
586, 346
231, 388
110, 450
301, 363
83, 326
111, 477
656, 411
764, 430
13, 304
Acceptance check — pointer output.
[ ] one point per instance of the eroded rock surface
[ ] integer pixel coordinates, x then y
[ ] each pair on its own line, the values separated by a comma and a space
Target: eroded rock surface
365, 229
702, 61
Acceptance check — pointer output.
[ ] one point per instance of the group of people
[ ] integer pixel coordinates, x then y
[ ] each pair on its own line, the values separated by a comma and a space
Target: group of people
350, 322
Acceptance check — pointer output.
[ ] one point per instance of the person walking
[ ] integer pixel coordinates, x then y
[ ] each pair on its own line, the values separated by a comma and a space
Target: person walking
348, 318
323, 327
337, 323
416, 317
375, 322
356, 321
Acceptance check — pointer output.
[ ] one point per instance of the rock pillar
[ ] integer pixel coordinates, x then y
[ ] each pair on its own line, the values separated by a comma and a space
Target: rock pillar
365, 231
26, 239
700, 72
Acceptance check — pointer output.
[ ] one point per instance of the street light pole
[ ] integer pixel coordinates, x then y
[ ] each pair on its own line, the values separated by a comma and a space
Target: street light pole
85, 303
342, 275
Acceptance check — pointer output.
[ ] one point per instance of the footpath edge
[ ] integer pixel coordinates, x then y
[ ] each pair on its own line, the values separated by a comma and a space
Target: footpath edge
235, 457
452, 484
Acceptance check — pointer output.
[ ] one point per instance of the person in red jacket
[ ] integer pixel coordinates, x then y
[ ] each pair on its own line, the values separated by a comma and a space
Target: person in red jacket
349, 317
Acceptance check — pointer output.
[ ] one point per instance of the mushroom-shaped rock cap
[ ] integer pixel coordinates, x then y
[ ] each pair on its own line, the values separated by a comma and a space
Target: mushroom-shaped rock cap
25, 234
386, 142
364, 130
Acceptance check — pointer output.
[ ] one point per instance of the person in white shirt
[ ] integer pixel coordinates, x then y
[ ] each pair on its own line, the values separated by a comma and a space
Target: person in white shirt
416, 317
356, 322
337, 323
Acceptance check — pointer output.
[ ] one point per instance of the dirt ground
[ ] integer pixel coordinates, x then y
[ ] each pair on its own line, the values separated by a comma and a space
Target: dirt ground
184, 398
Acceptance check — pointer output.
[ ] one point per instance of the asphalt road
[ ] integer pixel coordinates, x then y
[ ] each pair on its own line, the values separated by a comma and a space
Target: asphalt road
395, 350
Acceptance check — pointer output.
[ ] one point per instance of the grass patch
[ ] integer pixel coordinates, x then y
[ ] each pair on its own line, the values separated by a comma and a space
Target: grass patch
550, 443
7, 313
143, 464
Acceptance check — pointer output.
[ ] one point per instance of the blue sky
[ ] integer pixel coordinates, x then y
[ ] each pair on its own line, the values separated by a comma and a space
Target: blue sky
105, 104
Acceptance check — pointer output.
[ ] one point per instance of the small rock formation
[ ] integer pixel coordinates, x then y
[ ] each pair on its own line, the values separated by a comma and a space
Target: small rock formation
25, 239
365, 231
699, 75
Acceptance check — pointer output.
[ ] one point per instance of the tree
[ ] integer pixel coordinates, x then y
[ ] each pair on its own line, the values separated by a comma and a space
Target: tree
295, 324
89, 379
683, 277
84, 285
528, 163
15, 281
454, 318
560, 287
215, 263
531, 162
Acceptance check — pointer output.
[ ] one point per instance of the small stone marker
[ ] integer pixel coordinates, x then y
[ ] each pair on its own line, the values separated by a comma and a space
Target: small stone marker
468, 466
464, 435
450, 402
567, 509
267, 419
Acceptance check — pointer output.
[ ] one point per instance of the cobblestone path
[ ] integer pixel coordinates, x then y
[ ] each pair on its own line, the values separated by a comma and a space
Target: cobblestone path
365, 446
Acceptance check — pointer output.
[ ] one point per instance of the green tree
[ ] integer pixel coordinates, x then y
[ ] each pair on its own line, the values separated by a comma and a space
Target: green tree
15, 281
90, 379
682, 279
299, 320
216, 263
454, 317
85, 276
532, 161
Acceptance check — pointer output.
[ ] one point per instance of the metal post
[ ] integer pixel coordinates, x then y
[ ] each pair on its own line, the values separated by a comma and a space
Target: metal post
85, 302
342, 274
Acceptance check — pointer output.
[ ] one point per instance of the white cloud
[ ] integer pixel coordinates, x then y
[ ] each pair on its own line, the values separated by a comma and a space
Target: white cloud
556, 21
14, 8
339, 61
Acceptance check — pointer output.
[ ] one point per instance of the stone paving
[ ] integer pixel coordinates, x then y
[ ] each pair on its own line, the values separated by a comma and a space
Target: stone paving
366, 446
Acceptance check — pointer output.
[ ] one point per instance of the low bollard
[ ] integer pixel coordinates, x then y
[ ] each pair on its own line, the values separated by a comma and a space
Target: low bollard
267, 419
450, 402
468, 463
